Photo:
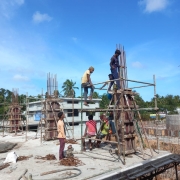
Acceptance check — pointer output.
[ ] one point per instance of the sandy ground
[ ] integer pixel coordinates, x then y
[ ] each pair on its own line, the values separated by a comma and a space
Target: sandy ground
96, 163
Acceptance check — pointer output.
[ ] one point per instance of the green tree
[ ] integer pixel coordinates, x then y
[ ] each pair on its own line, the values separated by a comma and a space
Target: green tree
22, 100
96, 95
68, 88
139, 101
105, 101
5, 97
168, 103
32, 99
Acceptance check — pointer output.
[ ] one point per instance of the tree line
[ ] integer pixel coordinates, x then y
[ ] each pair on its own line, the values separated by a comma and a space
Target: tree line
167, 104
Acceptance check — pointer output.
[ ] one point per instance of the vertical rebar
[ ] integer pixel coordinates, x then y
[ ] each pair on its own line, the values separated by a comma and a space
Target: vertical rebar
49, 79
56, 83
120, 68
51, 84
125, 71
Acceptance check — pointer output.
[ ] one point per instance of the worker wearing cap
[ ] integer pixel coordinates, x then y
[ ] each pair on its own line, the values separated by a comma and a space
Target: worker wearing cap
114, 66
87, 83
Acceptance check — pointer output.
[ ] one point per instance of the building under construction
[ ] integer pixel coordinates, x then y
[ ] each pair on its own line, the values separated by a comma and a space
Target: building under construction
131, 136
126, 113
12, 119
50, 109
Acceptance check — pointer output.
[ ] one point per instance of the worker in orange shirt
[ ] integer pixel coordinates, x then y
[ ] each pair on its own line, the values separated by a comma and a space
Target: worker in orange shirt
61, 134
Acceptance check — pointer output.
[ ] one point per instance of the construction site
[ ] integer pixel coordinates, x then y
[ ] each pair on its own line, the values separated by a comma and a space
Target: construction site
137, 150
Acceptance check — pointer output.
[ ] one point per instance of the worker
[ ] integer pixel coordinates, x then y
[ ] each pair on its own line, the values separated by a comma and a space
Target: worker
104, 129
109, 83
109, 91
69, 151
87, 83
61, 134
112, 129
90, 131
114, 67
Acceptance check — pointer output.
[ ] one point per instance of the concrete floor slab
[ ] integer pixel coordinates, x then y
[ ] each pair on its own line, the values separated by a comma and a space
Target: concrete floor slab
97, 163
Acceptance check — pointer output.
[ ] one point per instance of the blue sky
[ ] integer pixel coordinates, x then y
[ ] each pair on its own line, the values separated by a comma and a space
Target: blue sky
66, 37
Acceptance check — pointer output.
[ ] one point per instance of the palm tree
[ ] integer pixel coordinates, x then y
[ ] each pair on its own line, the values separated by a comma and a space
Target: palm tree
68, 88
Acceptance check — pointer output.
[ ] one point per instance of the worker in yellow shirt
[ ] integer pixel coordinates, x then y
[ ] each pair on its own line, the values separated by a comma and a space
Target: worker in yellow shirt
104, 128
87, 83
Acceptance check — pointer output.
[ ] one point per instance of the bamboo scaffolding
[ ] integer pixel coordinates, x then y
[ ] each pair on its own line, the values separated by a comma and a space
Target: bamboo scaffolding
121, 99
151, 84
104, 110
50, 106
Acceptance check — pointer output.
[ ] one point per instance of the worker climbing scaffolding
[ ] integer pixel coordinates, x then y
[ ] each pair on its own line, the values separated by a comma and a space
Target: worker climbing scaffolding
87, 83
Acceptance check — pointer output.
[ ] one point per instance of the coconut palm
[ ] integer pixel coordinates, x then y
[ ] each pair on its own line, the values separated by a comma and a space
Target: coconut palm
68, 88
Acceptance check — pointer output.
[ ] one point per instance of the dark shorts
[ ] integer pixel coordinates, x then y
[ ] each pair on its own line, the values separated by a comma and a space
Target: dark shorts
100, 136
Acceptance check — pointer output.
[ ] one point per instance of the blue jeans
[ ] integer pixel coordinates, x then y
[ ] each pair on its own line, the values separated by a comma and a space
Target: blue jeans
116, 76
86, 86
112, 125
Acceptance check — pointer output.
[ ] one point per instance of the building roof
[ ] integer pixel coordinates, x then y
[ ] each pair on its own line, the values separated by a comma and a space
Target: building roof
68, 98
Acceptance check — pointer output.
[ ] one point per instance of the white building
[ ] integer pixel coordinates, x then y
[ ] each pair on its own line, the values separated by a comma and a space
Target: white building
178, 110
34, 109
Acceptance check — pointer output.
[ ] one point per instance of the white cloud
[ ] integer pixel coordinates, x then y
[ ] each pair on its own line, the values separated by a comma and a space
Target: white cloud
7, 7
153, 5
137, 64
19, 2
38, 17
19, 77
74, 39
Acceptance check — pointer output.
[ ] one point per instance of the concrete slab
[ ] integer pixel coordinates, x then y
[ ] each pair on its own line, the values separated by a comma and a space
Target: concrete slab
97, 163
6, 146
